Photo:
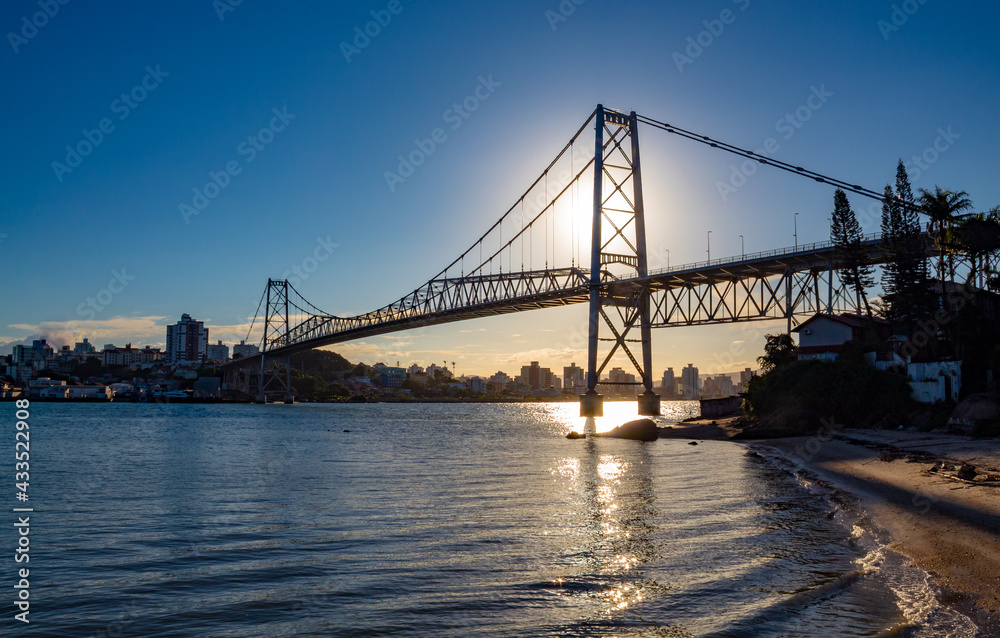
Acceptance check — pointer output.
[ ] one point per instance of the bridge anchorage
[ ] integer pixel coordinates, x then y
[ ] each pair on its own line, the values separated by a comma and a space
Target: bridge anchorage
541, 233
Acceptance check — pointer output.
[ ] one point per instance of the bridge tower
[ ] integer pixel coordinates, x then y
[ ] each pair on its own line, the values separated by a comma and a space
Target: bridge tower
276, 331
618, 252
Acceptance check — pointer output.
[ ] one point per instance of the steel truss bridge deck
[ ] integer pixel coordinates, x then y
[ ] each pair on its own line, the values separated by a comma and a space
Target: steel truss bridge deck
789, 284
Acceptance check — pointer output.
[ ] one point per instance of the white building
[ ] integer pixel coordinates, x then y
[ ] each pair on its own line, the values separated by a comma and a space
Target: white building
936, 381
433, 369
414, 369
81, 391
46, 388
129, 356
823, 335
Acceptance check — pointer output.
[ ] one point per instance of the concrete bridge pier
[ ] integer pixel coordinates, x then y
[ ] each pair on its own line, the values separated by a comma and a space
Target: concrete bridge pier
591, 404
649, 404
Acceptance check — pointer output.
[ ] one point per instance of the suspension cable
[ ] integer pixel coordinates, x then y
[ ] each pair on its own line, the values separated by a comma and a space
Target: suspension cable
256, 312
758, 157
322, 312
526, 193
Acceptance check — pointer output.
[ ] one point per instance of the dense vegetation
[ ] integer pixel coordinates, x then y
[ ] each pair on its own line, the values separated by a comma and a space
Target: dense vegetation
934, 325
938, 323
316, 375
801, 394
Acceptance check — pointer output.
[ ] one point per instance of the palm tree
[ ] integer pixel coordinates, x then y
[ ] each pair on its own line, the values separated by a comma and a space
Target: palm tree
942, 206
978, 236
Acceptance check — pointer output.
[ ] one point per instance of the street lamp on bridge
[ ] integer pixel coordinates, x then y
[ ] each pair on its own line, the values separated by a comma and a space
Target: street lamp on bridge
709, 251
795, 221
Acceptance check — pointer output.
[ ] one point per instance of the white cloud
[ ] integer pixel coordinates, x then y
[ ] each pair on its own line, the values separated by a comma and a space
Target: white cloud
117, 330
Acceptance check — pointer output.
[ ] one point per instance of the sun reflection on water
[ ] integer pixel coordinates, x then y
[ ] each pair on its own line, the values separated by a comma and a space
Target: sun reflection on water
610, 468
567, 415
610, 491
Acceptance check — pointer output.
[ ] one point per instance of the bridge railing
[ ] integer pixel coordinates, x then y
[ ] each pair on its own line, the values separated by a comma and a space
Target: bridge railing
872, 238
441, 297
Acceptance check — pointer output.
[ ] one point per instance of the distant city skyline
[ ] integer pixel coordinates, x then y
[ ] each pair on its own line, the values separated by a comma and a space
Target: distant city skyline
189, 167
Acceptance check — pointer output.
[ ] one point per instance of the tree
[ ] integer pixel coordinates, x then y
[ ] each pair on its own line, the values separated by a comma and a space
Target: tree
978, 236
778, 351
891, 279
845, 232
904, 275
942, 206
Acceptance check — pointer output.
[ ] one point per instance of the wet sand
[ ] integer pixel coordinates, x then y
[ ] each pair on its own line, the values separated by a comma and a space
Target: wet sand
908, 484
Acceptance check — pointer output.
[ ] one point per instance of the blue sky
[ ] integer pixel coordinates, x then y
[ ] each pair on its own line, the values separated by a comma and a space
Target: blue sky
897, 78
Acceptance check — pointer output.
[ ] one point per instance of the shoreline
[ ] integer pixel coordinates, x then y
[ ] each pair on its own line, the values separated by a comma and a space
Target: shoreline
908, 486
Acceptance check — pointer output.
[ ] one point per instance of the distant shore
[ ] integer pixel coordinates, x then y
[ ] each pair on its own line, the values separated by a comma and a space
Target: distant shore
909, 485
569, 399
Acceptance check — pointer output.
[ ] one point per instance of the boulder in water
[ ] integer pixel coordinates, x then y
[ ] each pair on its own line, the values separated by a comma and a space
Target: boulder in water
576, 435
640, 430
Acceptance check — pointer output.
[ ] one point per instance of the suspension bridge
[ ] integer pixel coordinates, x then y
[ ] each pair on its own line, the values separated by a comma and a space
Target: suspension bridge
536, 256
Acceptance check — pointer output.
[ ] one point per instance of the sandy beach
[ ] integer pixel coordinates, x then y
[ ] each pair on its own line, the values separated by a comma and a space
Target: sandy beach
908, 484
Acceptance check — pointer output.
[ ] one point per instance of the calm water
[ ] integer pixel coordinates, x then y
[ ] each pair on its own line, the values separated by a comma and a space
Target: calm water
436, 520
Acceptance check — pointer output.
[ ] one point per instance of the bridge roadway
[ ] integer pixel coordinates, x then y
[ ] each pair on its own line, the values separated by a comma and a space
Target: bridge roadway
777, 284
